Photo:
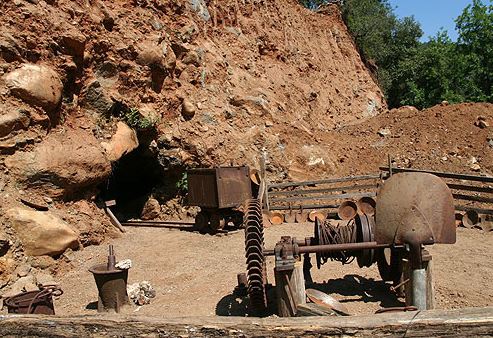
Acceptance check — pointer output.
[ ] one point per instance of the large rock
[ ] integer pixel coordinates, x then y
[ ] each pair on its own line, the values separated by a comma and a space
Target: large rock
62, 165
41, 232
37, 85
124, 141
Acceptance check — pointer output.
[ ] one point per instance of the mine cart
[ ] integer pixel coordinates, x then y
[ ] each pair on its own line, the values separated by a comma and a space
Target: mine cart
220, 193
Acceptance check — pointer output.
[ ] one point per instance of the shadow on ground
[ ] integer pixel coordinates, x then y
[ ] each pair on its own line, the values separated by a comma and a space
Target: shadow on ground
367, 290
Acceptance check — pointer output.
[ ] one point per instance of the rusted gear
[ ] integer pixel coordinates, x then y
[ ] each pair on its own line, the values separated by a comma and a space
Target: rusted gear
254, 253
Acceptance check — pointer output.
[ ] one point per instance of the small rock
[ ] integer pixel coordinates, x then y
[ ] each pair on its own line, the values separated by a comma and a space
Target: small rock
187, 109
41, 262
200, 7
73, 42
69, 255
384, 132
151, 210
192, 57
98, 98
124, 264
37, 85
141, 293
12, 121
23, 284
269, 123
475, 167
23, 270
43, 278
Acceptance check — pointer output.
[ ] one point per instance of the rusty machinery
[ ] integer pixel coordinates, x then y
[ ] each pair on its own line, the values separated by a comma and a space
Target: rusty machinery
219, 192
412, 210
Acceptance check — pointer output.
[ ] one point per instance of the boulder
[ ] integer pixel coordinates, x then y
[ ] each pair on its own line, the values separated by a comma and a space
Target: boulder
37, 85
41, 232
122, 142
151, 210
62, 165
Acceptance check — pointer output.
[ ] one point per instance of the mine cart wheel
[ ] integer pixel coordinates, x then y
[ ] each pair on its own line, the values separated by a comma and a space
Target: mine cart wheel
217, 222
389, 265
202, 221
254, 252
238, 220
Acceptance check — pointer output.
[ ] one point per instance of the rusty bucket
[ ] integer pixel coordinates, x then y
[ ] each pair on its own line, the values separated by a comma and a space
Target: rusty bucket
111, 283
34, 302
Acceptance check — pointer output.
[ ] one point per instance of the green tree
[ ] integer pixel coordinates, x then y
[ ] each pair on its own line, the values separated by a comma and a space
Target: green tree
475, 27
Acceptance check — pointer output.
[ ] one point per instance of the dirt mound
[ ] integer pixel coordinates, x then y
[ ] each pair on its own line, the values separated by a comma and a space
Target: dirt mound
444, 137
201, 84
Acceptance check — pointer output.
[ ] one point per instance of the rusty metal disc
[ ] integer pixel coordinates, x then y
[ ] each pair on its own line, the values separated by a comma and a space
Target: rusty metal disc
414, 208
323, 299
366, 205
276, 218
470, 219
315, 214
347, 210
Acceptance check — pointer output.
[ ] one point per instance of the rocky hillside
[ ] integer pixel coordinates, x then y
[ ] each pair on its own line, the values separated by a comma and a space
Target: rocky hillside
120, 97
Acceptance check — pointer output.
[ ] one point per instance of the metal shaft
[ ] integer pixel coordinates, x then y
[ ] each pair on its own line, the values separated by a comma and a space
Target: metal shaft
419, 288
342, 247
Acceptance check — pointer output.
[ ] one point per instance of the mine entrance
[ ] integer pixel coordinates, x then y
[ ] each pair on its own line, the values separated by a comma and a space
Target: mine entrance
136, 177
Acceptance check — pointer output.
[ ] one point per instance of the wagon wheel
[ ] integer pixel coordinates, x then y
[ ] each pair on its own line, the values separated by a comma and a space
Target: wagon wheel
202, 222
217, 222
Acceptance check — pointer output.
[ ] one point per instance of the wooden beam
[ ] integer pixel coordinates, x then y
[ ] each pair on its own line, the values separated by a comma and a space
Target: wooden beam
444, 323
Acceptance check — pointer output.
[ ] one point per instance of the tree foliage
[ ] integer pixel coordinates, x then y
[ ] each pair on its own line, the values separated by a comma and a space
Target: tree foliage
422, 74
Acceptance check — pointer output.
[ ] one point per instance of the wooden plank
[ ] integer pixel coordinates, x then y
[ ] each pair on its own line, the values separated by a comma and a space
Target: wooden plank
472, 198
290, 290
323, 197
475, 178
472, 322
473, 188
326, 181
322, 191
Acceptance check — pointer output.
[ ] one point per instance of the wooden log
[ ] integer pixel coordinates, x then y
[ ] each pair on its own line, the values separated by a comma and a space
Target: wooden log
472, 322
290, 290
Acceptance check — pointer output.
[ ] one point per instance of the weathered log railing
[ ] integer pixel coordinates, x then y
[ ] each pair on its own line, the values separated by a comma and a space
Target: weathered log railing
472, 322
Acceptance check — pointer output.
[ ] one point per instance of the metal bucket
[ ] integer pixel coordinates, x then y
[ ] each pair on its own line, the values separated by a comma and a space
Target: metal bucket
112, 288
34, 302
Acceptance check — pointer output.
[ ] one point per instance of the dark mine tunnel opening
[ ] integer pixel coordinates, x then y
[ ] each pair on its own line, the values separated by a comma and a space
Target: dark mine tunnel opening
135, 178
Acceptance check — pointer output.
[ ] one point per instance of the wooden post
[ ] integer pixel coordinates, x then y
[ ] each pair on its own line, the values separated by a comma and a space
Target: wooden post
290, 290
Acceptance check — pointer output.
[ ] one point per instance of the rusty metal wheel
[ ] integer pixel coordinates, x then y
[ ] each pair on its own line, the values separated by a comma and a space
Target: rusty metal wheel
254, 253
217, 222
365, 233
202, 222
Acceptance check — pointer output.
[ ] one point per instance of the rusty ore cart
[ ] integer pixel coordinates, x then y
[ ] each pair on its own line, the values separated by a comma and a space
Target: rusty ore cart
219, 192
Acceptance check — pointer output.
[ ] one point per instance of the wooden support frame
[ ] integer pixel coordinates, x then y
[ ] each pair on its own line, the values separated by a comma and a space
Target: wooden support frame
474, 322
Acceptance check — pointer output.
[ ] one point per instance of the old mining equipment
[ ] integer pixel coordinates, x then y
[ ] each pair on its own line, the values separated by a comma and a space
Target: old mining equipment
219, 192
412, 210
